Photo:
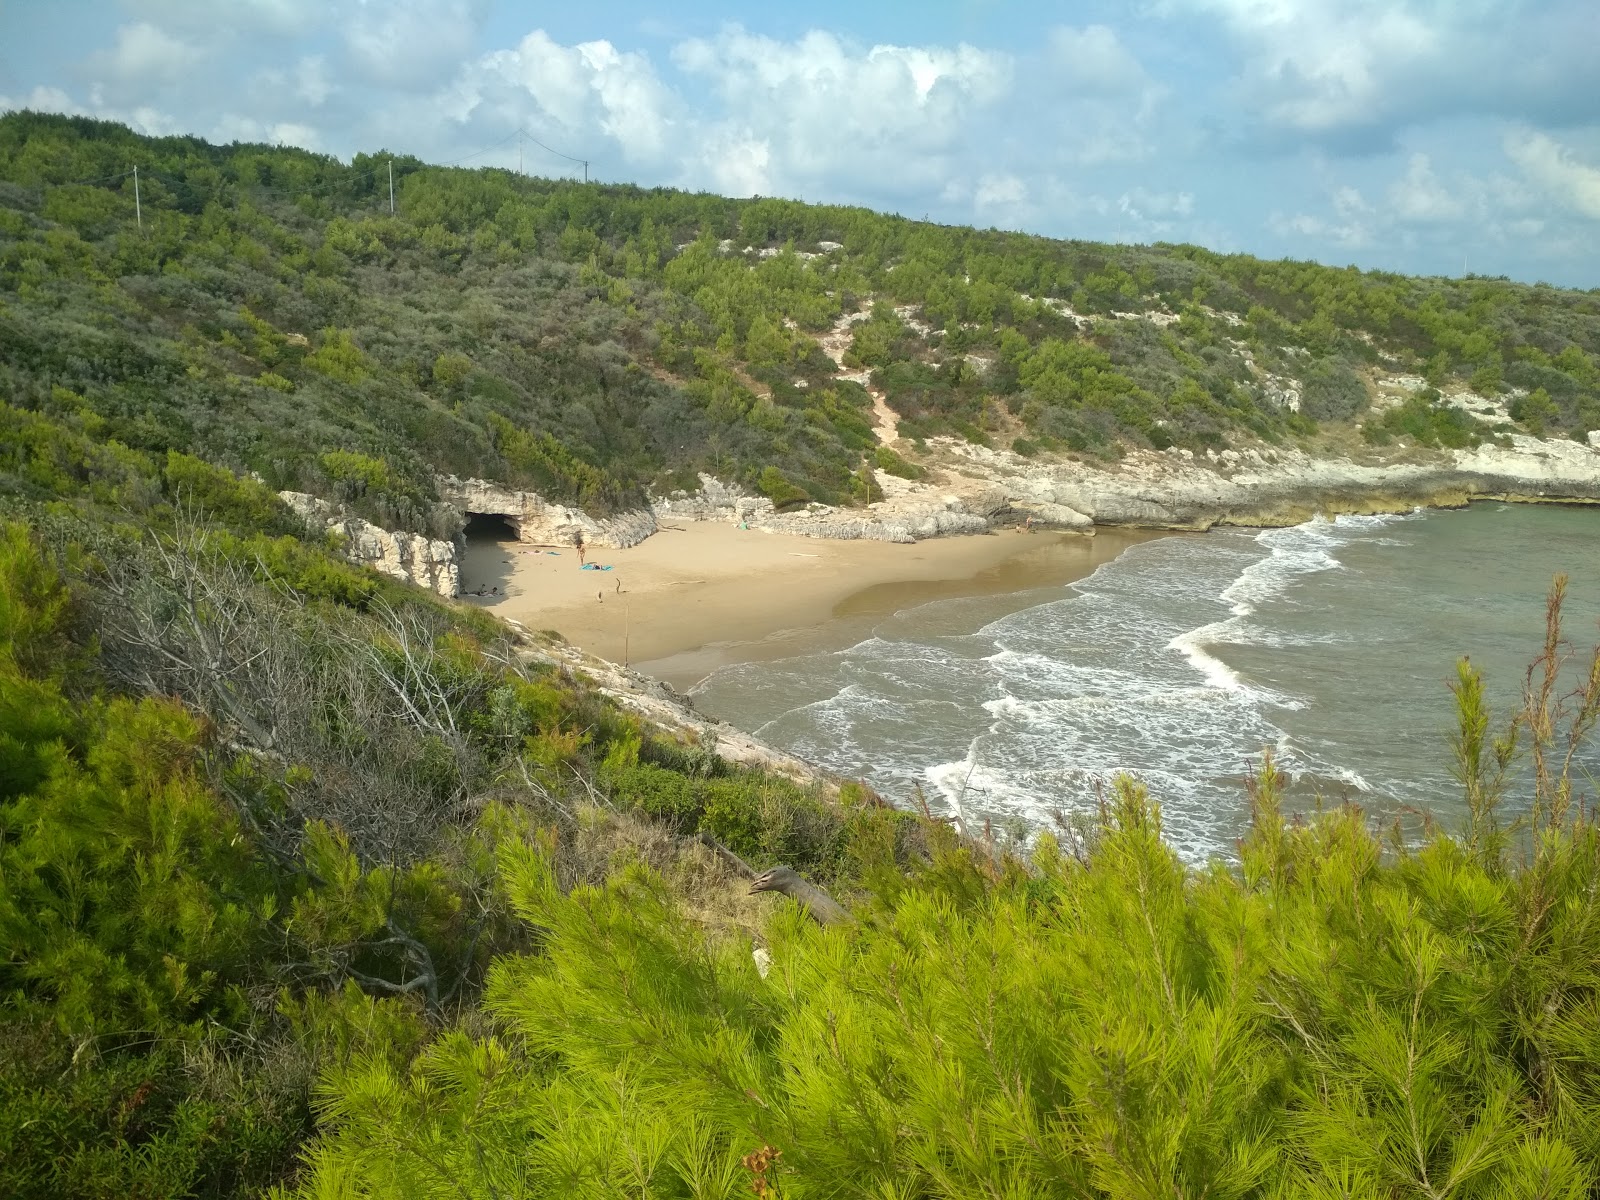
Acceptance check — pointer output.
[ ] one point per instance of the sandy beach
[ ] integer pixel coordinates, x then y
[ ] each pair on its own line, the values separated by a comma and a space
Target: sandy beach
699, 595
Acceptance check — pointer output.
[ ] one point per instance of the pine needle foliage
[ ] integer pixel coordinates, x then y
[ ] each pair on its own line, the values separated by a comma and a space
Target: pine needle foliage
1340, 1016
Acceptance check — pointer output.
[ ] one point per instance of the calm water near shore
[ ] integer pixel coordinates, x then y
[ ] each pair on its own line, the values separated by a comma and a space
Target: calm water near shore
1180, 660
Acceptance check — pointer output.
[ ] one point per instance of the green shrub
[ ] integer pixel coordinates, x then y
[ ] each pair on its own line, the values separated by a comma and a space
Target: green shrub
656, 792
218, 494
1111, 1021
732, 812
782, 491
125, 1118
1331, 391
1427, 419
891, 462
274, 381
339, 358
450, 370
1536, 411
359, 472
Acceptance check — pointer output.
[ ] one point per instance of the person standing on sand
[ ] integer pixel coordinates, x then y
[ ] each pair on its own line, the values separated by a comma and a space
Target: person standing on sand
577, 540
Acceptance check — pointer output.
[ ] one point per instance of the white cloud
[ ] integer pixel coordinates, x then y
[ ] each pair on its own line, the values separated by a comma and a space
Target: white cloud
1093, 60
43, 99
1353, 72
1354, 222
1444, 216
144, 54
1002, 200
1000, 191
1348, 235
232, 128
411, 45
1418, 195
1349, 203
1555, 169
142, 118
1099, 101
587, 91
825, 108
1145, 205
201, 16
312, 83
738, 163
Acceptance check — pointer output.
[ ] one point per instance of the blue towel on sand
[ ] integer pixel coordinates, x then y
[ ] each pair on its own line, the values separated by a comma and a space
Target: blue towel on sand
594, 567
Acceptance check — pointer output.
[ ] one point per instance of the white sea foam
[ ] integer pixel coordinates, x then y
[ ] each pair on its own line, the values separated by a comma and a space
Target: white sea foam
1192, 646
1038, 710
1293, 553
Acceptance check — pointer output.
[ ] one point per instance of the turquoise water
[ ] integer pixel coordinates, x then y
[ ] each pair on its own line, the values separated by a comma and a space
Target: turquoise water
1332, 642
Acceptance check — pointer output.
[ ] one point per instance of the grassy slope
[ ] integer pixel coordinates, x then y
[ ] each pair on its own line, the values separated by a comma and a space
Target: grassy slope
594, 340
289, 850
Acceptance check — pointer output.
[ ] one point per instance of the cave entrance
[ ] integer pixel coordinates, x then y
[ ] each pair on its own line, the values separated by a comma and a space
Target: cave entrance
490, 527
487, 565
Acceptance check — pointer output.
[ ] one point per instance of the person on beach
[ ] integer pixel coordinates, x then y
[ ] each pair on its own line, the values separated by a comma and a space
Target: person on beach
577, 540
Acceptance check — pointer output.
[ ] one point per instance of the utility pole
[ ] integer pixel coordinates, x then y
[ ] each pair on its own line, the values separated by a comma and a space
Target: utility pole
391, 187
138, 209
519, 152
586, 170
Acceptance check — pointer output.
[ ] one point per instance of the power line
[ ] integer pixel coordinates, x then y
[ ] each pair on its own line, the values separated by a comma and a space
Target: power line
558, 154
86, 182
490, 149
330, 185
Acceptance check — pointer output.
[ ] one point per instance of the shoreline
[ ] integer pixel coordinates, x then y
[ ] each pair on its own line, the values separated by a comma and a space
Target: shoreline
697, 597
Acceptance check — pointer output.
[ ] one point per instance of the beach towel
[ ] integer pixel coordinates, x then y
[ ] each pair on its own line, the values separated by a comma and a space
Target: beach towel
553, 553
593, 567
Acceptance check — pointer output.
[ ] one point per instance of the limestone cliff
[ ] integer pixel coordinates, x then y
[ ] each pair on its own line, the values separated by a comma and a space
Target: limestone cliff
904, 516
974, 488
1177, 489
426, 562
537, 520
900, 518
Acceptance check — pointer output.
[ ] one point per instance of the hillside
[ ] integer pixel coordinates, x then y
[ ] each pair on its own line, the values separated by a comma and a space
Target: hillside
315, 884
264, 311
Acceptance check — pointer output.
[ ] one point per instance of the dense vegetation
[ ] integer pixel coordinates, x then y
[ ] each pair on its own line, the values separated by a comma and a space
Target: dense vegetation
251, 822
266, 312
340, 892
314, 884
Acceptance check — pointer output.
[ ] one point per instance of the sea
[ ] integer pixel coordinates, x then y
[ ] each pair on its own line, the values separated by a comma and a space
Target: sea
1331, 643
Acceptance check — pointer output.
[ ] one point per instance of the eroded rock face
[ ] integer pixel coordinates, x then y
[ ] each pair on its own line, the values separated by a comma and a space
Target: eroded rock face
1172, 489
539, 522
426, 562
1178, 490
904, 517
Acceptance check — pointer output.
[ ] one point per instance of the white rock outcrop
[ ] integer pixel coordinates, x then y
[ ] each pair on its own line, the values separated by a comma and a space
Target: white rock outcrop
537, 520
426, 562
909, 516
1175, 489
979, 487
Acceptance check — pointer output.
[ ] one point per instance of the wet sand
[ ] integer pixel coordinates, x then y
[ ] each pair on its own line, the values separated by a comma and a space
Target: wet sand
695, 597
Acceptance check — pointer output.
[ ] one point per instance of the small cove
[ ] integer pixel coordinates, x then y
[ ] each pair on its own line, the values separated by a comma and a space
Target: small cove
1332, 642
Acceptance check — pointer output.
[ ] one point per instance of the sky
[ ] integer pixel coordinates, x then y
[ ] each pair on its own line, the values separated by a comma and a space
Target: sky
1425, 136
